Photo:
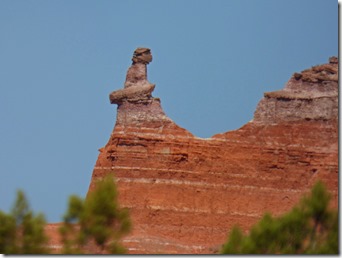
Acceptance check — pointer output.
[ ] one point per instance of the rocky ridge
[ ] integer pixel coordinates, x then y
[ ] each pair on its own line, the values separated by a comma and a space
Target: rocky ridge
309, 95
185, 193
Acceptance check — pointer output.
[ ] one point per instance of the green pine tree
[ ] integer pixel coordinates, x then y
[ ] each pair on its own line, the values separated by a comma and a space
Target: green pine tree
96, 224
21, 231
309, 228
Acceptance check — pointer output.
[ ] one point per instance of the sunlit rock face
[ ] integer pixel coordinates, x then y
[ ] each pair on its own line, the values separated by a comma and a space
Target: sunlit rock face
185, 193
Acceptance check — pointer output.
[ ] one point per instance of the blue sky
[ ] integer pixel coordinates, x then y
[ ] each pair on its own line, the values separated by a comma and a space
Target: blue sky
212, 61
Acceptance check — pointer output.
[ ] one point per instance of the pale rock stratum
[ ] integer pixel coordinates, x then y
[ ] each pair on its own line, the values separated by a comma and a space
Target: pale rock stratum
185, 193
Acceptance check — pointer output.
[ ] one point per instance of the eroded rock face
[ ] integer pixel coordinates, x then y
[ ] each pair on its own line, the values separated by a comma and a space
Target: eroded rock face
185, 193
309, 95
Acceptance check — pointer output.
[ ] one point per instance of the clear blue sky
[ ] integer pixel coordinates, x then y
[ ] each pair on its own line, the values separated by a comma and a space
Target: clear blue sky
212, 61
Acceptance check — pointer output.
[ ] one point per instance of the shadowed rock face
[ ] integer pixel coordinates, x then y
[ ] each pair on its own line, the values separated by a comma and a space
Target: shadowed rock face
185, 193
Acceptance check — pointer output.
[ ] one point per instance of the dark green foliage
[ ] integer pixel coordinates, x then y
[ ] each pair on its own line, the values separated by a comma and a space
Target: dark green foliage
234, 244
92, 225
309, 228
7, 234
100, 222
22, 232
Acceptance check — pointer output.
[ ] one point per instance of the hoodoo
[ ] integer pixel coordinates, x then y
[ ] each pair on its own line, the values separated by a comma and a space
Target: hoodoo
185, 193
137, 88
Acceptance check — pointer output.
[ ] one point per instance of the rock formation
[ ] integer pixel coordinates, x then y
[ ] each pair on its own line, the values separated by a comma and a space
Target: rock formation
137, 88
309, 95
185, 193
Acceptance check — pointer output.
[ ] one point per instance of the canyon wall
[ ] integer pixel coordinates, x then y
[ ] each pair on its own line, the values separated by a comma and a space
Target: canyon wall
185, 193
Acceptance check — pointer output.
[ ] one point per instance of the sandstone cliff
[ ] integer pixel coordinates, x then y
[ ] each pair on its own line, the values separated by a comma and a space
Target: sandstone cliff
185, 193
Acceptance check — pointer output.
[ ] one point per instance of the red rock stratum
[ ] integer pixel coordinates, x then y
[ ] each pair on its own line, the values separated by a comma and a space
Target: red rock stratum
185, 193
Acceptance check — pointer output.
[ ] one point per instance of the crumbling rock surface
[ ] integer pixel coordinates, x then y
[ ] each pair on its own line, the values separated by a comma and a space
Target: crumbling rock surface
309, 95
185, 193
320, 73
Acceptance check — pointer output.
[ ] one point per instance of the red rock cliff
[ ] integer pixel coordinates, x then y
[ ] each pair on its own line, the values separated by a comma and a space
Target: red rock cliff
185, 193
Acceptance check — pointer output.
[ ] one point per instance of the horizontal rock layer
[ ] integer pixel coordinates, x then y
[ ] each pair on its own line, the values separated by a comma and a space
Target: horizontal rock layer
185, 193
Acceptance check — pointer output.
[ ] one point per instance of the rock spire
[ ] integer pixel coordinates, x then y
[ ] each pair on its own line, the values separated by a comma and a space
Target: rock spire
136, 88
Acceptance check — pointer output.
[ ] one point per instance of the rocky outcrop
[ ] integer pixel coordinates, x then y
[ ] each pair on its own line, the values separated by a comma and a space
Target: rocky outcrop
309, 95
185, 193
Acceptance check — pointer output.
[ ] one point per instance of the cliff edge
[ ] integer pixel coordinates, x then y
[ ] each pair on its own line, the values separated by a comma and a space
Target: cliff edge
185, 193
